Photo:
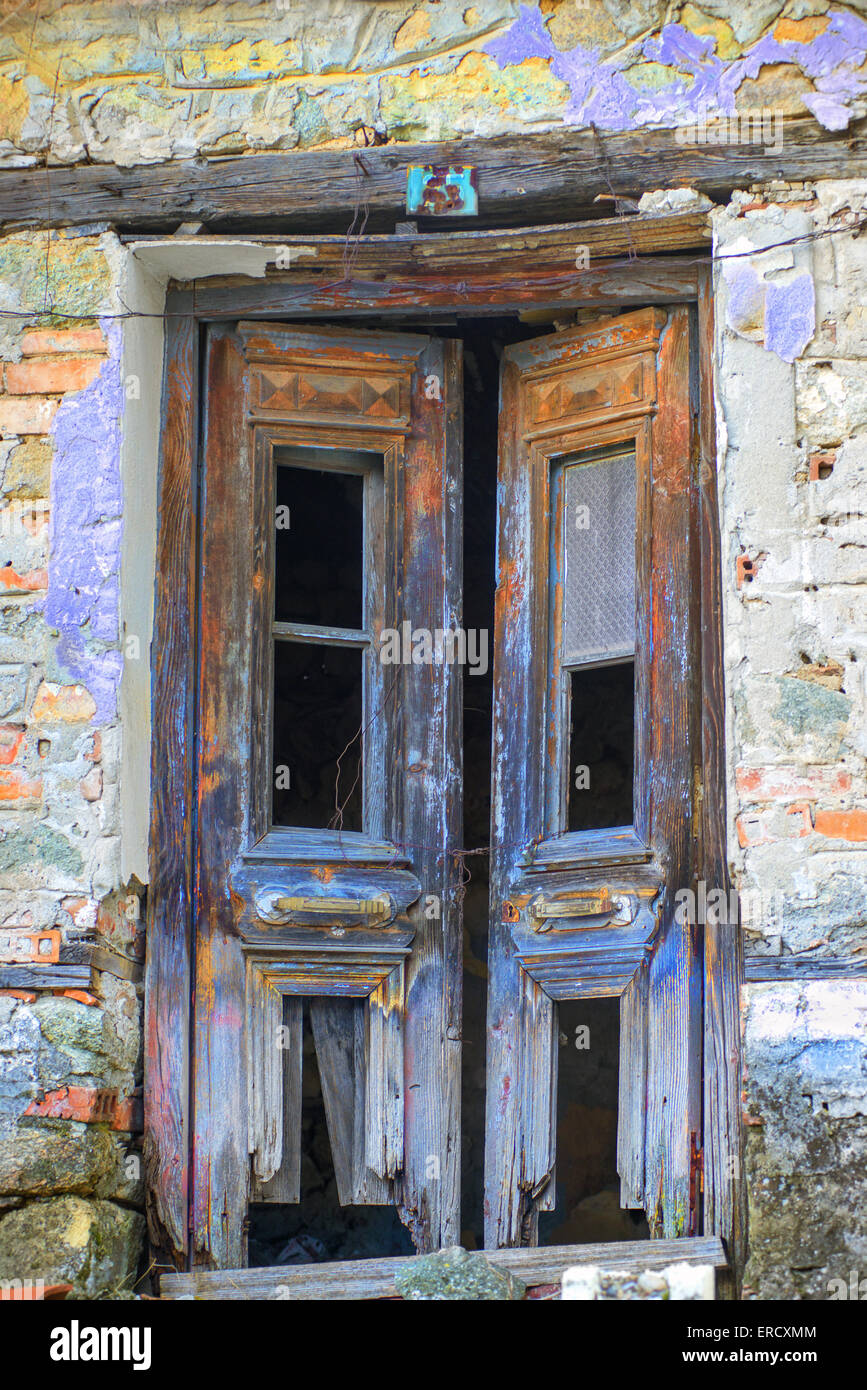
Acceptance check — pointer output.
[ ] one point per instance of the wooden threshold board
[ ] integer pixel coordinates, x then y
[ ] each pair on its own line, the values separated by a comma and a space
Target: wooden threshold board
371, 1279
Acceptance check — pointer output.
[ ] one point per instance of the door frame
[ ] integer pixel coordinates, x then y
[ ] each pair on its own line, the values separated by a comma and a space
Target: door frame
503, 284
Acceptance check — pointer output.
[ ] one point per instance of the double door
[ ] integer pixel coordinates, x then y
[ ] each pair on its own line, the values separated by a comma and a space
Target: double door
328, 841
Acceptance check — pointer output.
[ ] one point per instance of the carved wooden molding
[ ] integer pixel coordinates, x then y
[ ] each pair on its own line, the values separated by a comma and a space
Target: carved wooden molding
360, 384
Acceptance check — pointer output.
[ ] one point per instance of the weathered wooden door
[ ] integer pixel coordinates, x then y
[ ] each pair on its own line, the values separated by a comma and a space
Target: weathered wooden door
328, 774
595, 633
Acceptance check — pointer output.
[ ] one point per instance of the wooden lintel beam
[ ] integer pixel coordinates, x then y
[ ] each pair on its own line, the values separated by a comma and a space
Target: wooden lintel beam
652, 280
461, 251
546, 176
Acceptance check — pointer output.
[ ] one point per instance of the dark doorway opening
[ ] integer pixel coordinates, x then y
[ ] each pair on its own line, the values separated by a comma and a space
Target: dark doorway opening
318, 1228
587, 1207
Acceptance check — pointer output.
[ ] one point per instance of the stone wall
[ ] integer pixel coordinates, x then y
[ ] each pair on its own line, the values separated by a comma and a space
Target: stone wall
144, 82
70, 1058
792, 425
805, 1099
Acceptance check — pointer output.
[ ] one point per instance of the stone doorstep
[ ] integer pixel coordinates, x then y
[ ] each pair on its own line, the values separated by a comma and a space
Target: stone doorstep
673, 1282
539, 1270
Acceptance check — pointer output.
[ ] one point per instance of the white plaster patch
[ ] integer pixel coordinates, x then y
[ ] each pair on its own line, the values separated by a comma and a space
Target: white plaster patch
198, 258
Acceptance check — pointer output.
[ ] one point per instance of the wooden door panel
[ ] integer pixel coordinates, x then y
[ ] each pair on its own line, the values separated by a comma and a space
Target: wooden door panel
359, 926
590, 913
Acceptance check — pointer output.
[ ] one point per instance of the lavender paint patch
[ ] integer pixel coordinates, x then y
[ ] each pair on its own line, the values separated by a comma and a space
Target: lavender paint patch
526, 37
829, 111
790, 315
602, 96
745, 300
99, 672
83, 595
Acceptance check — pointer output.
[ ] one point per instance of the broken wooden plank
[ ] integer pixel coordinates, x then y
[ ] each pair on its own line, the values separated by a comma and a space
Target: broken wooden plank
383, 1150
264, 1015
339, 1028
285, 1183
546, 176
102, 958
632, 1091
57, 976
368, 1279
333, 1021
767, 969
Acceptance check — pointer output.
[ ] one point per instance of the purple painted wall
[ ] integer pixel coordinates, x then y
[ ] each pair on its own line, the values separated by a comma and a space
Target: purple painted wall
83, 595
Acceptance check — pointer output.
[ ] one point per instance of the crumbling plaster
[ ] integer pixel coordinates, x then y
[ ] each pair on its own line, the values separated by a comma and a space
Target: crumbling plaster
144, 82
795, 637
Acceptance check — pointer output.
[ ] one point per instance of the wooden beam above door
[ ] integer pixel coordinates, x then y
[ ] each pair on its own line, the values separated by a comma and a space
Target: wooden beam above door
546, 176
565, 246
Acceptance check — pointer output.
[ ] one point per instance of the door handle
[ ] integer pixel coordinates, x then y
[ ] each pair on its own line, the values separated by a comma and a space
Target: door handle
273, 906
364, 907
616, 906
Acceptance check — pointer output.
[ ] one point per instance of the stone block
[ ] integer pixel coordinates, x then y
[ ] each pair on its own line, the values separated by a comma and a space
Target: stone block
805, 1094
92, 1244
48, 1159
456, 1274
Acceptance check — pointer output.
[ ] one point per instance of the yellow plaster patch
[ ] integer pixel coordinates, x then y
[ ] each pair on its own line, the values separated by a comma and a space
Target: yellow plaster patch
476, 91
109, 57
472, 16
650, 76
14, 108
801, 30
573, 22
703, 24
414, 32
778, 87
241, 61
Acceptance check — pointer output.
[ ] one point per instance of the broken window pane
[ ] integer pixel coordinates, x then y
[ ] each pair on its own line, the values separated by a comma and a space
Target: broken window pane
601, 746
319, 539
318, 704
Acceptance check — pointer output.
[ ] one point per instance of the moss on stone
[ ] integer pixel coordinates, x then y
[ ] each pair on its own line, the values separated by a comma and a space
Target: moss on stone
39, 847
58, 1156
93, 1245
28, 471
805, 706
456, 1274
61, 276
